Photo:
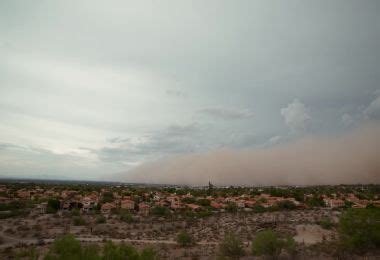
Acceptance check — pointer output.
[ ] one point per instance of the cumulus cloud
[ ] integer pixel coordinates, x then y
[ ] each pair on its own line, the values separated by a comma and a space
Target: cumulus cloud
373, 110
296, 116
227, 113
350, 158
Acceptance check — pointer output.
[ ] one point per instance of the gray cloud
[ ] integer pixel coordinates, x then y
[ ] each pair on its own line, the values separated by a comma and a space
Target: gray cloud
117, 85
227, 113
175, 139
176, 93
296, 116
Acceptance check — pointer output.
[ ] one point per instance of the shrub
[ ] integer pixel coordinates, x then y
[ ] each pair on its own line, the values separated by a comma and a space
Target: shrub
79, 221
231, 207
112, 251
107, 197
231, 246
359, 229
286, 204
203, 202
326, 223
90, 252
315, 202
258, 209
268, 243
148, 253
159, 211
67, 247
126, 216
100, 219
184, 239
75, 212
203, 213
52, 206
30, 253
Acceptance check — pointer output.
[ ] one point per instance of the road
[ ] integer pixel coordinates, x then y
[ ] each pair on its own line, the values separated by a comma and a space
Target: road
10, 241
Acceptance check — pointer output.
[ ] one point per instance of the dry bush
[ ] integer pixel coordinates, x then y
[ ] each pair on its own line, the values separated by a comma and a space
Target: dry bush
9, 231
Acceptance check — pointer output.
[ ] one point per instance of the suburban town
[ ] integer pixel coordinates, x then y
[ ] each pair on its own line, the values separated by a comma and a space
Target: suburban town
190, 221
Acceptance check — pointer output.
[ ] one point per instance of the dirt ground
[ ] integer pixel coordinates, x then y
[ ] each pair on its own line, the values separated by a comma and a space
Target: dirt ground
161, 233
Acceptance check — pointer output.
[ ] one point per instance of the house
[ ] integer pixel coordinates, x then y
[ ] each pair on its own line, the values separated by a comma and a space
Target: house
334, 203
107, 207
127, 204
24, 194
162, 203
193, 207
188, 195
3, 188
240, 204
116, 195
376, 203
65, 206
175, 205
41, 208
144, 209
89, 202
250, 203
67, 193
172, 199
295, 202
5, 200
217, 205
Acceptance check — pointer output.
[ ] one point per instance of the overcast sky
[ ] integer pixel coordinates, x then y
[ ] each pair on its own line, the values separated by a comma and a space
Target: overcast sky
92, 88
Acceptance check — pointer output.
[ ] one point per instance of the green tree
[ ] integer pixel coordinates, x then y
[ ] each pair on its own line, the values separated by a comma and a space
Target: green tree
184, 239
204, 202
148, 253
79, 221
159, 211
258, 208
286, 204
231, 246
107, 197
90, 252
123, 251
267, 242
326, 223
359, 229
52, 206
65, 247
126, 216
315, 202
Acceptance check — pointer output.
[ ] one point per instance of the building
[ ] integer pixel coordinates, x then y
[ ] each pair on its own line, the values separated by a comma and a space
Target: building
41, 208
217, 205
334, 203
107, 207
23, 194
193, 207
127, 204
89, 202
144, 209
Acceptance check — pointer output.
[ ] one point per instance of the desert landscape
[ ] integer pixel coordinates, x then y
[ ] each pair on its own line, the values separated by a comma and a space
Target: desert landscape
310, 222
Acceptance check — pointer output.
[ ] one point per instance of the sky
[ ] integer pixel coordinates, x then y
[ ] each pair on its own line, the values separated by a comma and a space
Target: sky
90, 89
